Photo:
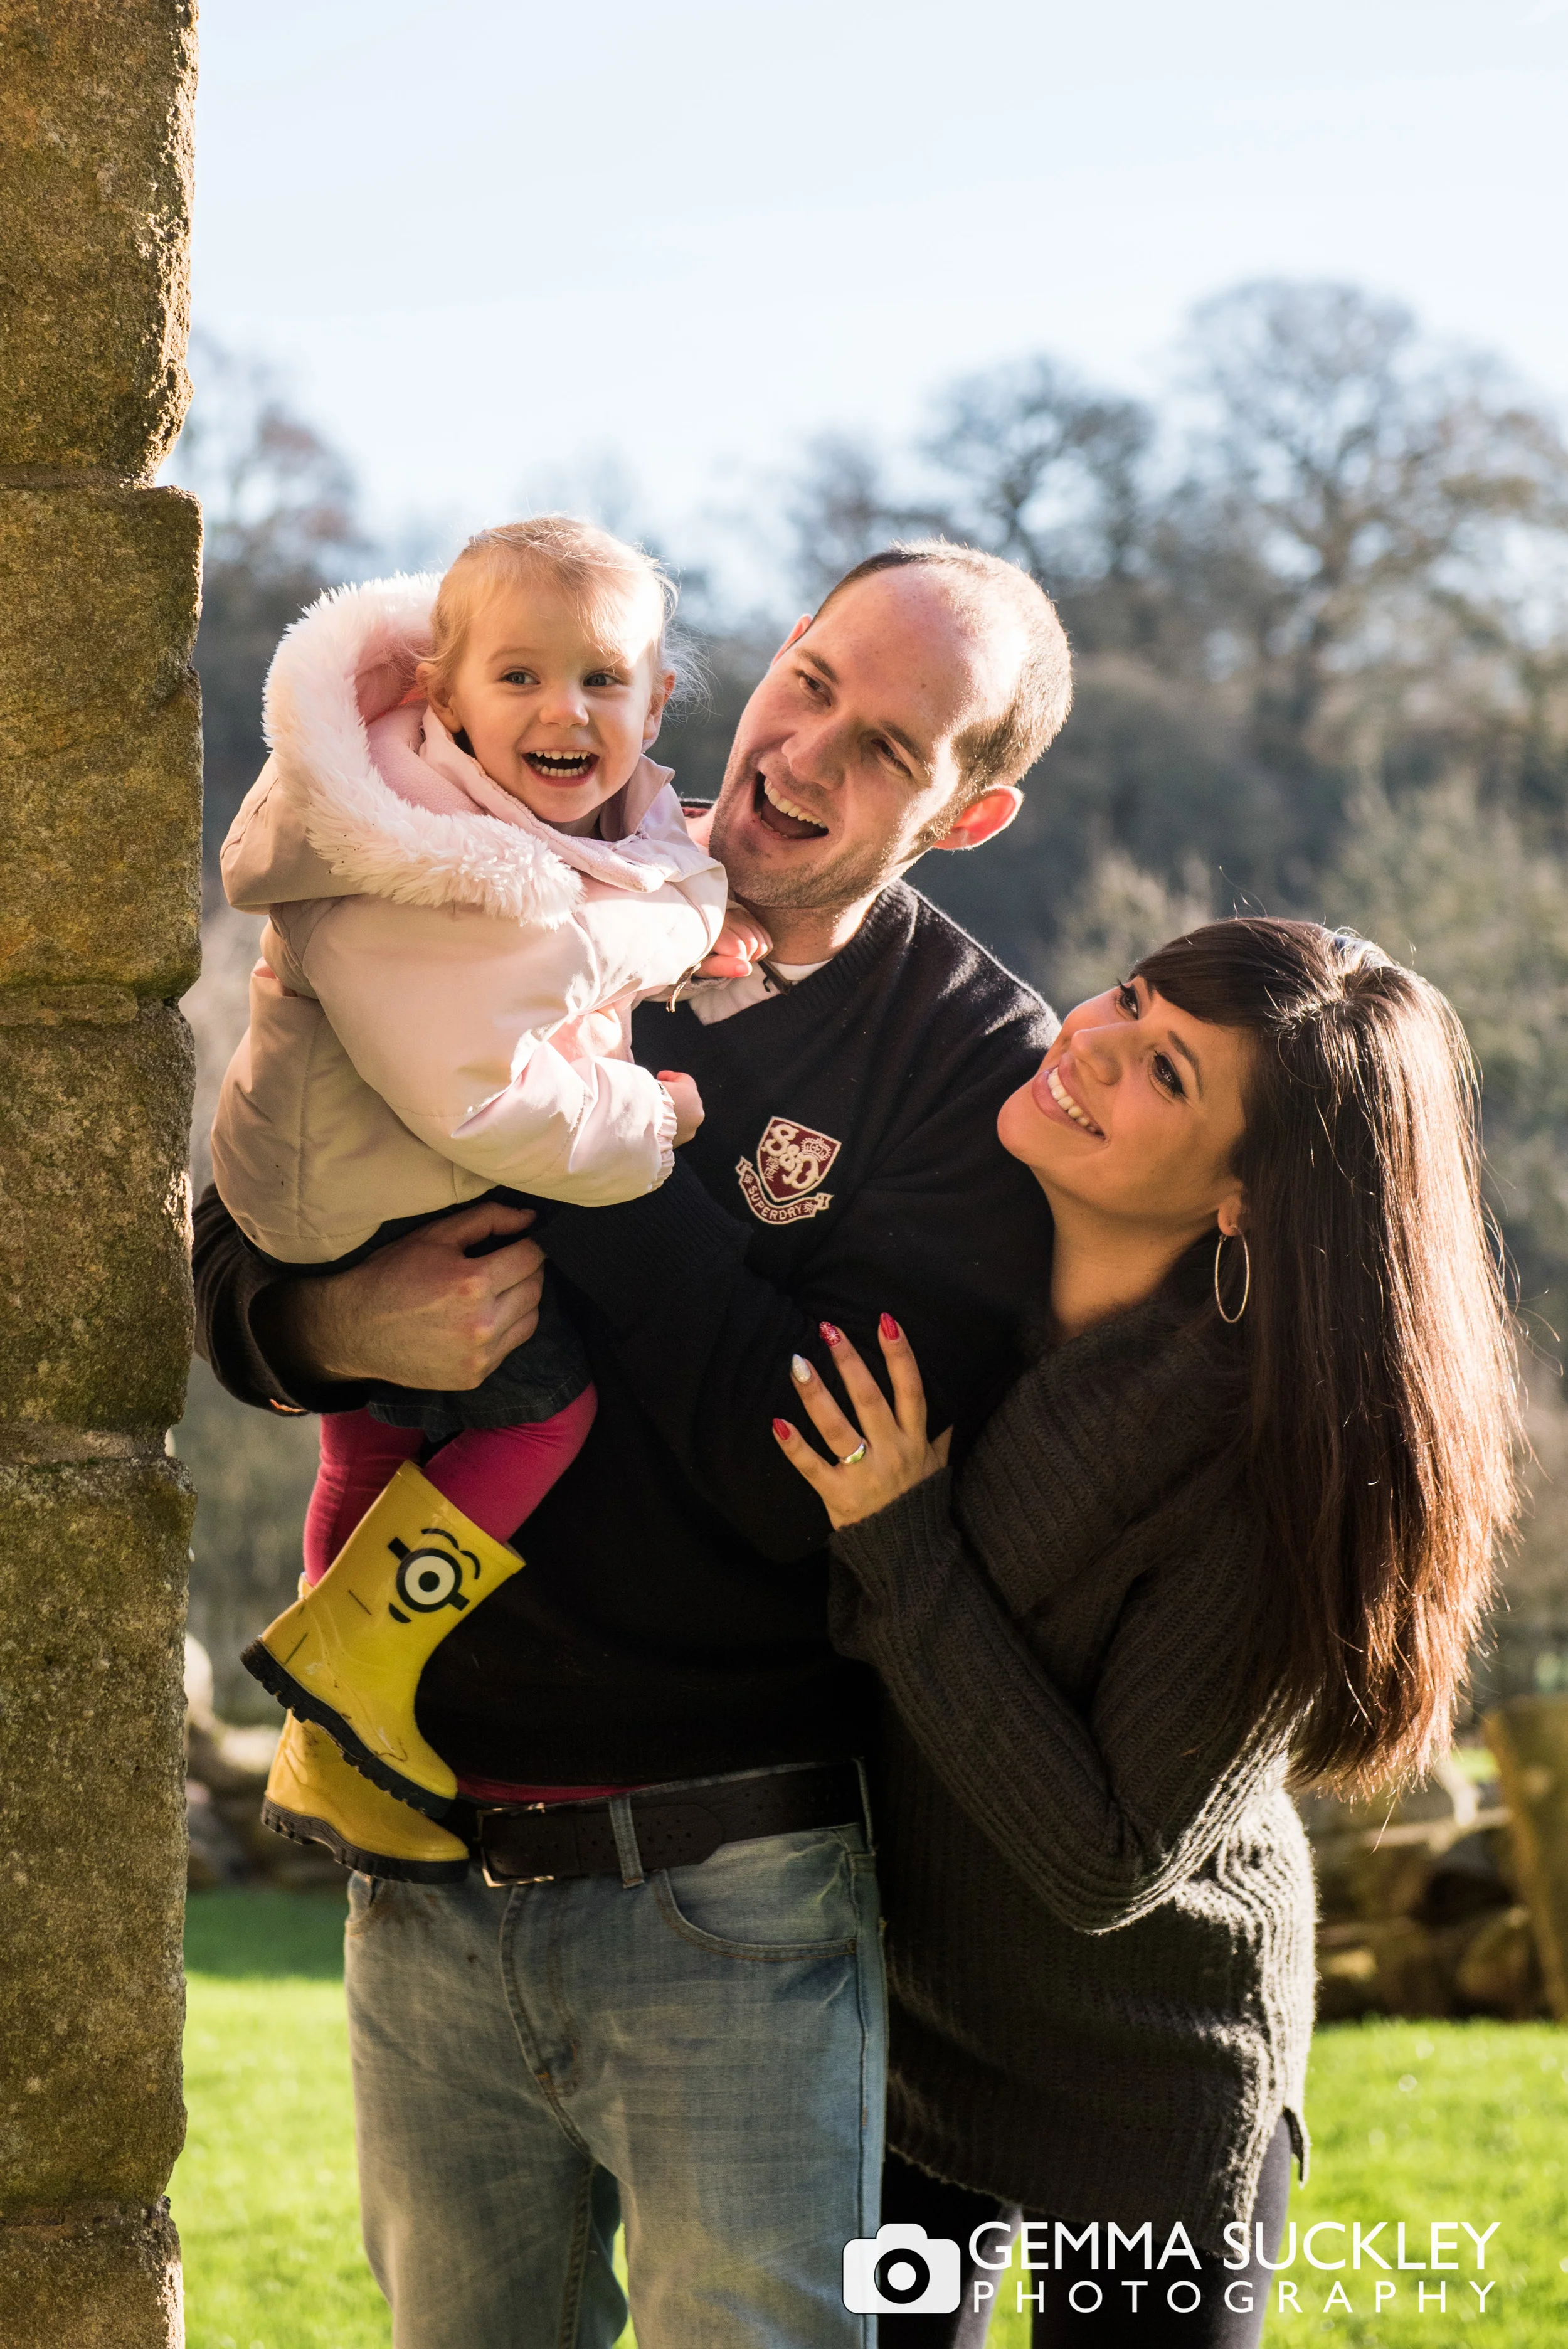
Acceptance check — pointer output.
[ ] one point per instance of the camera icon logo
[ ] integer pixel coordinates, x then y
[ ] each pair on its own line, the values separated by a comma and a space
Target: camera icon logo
902, 2272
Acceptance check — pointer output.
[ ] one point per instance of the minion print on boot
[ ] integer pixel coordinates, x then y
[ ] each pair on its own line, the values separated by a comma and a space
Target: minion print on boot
349, 1653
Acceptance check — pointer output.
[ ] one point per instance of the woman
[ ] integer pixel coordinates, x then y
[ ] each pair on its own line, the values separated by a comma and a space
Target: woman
1239, 1511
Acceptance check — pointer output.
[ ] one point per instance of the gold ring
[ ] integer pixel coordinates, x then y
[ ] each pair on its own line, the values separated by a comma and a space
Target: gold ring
850, 1459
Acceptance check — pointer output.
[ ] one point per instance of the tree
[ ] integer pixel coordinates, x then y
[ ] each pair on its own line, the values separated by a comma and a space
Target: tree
280, 507
1454, 887
1353, 518
1346, 581
1051, 475
722, 664
1026, 462
842, 508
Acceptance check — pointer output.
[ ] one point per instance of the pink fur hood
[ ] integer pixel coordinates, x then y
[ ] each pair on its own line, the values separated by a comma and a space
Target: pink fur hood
444, 1000
347, 805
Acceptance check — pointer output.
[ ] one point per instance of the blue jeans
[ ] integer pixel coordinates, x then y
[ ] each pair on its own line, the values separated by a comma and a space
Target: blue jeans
700, 2052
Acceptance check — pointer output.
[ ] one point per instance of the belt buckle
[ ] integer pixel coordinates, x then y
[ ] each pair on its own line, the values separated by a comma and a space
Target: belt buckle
506, 1883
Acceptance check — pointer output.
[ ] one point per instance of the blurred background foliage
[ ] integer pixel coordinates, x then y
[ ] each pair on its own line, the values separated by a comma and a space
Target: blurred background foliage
1317, 594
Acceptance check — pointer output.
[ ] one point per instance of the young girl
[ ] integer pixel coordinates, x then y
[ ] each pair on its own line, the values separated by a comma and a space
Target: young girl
472, 873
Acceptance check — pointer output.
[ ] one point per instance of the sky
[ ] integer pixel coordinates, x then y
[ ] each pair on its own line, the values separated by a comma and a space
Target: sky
498, 250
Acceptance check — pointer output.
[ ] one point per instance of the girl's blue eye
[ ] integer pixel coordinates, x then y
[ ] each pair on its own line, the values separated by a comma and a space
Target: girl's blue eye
1127, 997
1165, 1075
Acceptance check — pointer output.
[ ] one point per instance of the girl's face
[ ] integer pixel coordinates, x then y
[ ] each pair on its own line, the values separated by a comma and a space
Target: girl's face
1134, 1116
557, 709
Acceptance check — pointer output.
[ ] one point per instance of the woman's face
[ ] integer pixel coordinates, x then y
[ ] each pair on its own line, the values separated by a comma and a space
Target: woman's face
1134, 1116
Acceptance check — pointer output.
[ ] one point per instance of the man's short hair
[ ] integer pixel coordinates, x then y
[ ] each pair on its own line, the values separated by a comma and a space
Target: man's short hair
985, 589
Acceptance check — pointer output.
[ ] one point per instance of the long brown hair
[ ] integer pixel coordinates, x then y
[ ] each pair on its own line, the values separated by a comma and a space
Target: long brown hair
1379, 1456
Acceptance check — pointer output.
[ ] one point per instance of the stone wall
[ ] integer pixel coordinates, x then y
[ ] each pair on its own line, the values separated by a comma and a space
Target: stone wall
101, 788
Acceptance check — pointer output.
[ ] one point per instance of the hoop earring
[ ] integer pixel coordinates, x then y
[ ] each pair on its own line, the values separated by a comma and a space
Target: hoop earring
1232, 1319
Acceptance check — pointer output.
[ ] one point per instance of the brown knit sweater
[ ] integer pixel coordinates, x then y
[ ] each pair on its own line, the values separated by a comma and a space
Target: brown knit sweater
1098, 1897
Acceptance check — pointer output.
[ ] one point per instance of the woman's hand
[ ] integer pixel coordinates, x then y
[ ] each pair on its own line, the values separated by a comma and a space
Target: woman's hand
888, 1453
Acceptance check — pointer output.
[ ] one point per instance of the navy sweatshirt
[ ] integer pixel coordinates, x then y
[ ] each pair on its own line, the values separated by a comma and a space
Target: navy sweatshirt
673, 1619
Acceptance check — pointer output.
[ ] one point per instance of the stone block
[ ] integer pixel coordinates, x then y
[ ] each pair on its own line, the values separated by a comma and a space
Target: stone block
95, 198
94, 1308
92, 1847
1529, 1736
99, 2278
100, 745
99, 591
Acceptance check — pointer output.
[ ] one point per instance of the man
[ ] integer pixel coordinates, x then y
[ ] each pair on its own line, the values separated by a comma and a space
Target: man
682, 2023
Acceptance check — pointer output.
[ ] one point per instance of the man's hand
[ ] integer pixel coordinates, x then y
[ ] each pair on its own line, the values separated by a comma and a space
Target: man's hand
419, 1313
682, 1090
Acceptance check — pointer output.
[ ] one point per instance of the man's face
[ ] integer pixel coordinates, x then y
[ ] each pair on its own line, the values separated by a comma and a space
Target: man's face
845, 753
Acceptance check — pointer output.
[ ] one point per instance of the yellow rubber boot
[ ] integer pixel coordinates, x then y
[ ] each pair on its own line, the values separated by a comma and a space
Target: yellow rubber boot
349, 1653
314, 1796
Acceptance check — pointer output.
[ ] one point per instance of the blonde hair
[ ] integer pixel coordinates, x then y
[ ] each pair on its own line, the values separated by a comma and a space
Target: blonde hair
598, 571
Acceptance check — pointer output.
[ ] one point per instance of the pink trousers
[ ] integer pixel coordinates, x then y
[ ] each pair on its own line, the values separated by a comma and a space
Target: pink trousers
496, 1475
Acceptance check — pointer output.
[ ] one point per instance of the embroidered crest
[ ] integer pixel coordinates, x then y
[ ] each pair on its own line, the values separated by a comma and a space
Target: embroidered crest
791, 1160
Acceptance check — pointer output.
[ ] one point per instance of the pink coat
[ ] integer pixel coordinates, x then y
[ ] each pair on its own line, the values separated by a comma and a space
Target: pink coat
443, 1000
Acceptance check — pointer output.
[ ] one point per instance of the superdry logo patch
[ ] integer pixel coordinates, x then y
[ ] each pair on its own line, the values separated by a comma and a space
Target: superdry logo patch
791, 1160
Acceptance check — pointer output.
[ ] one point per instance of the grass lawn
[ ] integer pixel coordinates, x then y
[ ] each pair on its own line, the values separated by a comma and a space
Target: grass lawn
265, 2194
1410, 2121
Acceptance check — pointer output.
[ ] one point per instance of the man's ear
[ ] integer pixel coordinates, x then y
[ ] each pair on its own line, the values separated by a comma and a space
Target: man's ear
794, 637
663, 687
983, 818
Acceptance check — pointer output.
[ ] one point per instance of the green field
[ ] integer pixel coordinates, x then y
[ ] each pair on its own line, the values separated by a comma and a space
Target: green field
265, 2194
1412, 2122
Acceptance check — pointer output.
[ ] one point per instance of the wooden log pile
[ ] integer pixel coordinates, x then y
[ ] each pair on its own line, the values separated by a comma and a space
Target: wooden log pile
1450, 1897
225, 1775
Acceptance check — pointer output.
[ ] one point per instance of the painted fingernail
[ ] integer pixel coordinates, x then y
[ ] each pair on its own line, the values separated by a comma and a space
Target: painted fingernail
834, 1337
782, 1430
800, 1370
890, 1328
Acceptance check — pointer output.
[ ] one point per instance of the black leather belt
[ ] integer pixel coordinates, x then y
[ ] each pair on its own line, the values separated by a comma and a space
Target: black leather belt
675, 1825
